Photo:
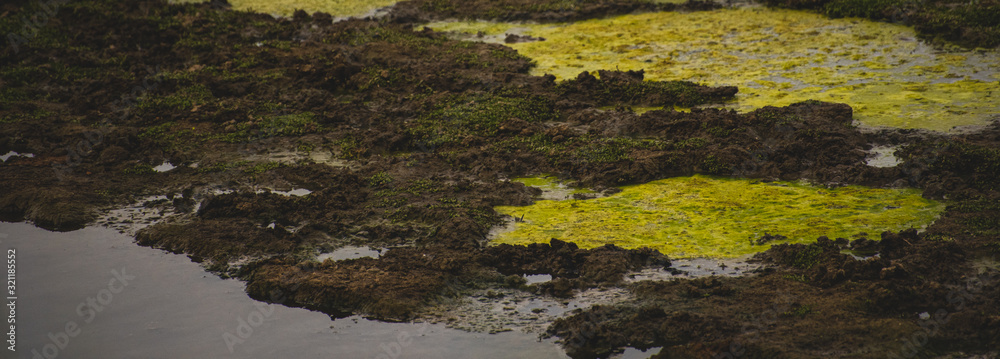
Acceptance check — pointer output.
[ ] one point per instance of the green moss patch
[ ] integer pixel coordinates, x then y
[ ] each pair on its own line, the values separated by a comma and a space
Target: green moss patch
775, 57
337, 8
703, 216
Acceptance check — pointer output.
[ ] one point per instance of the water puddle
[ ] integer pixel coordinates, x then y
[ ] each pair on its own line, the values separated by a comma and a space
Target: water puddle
537, 278
8, 155
860, 255
295, 192
700, 216
633, 353
553, 189
350, 252
776, 57
164, 167
883, 156
691, 268
143, 213
169, 307
295, 157
510, 310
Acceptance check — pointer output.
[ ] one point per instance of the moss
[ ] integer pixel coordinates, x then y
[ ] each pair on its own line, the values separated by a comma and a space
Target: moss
713, 217
480, 115
806, 258
692, 143
379, 179
421, 186
350, 148
799, 311
172, 136
714, 165
388, 34
272, 126
289, 125
617, 93
609, 150
139, 169
34, 115
182, 99
222, 166
56, 71
981, 163
379, 77
775, 57
970, 24
261, 168
340, 8
525, 9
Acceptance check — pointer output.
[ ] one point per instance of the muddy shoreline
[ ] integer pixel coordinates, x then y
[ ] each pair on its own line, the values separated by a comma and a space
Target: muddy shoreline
406, 139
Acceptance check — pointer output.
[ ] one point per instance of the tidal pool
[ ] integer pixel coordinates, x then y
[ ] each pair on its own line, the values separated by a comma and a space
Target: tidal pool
336, 8
552, 188
699, 216
775, 57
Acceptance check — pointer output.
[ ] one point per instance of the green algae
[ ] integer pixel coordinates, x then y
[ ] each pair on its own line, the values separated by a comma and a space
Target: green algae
703, 216
336, 8
776, 57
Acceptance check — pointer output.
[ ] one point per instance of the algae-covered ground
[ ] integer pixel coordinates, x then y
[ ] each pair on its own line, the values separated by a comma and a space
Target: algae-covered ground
698, 216
776, 57
337, 8
257, 145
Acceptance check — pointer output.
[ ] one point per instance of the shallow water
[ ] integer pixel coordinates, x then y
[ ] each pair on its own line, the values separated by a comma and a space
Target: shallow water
776, 57
8, 155
172, 308
552, 188
500, 310
883, 156
696, 268
350, 252
164, 167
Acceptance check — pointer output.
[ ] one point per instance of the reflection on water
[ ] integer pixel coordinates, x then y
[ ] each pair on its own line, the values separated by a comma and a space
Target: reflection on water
883, 156
350, 252
8, 155
171, 308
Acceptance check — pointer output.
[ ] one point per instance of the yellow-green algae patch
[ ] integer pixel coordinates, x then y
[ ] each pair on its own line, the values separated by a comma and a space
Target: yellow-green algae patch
336, 8
776, 57
716, 217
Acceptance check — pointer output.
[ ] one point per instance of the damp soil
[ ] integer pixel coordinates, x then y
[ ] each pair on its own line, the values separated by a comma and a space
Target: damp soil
405, 140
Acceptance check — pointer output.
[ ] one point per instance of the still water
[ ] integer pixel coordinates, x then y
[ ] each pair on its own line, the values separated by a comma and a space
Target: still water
93, 293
